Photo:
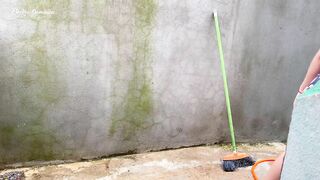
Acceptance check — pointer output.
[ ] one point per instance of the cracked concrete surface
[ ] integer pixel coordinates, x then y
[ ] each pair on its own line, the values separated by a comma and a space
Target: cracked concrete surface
201, 162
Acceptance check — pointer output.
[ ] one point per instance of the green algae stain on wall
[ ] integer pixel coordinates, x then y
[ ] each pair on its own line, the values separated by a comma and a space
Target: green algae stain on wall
39, 87
93, 16
134, 113
90, 16
6, 132
39, 84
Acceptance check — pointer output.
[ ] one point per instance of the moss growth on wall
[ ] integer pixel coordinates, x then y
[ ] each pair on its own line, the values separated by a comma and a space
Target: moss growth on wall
93, 16
6, 132
133, 114
39, 87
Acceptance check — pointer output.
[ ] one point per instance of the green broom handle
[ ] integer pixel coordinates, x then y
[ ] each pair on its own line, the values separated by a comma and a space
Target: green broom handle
225, 83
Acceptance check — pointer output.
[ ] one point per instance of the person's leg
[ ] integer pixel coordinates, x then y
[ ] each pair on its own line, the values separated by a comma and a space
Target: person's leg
275, 170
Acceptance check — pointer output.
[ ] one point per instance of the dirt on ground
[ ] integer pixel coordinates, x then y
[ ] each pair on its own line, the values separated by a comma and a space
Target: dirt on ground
201, 162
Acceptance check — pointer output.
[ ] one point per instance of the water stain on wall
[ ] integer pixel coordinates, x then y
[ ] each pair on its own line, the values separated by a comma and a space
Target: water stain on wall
39, 84
93, 16
39, 87
132, 114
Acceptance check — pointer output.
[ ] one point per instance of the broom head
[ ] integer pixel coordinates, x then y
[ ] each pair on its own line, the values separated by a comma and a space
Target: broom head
235, 160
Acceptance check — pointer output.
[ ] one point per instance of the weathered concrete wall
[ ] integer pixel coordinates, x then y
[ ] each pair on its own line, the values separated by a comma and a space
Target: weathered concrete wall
274, 42
104, 77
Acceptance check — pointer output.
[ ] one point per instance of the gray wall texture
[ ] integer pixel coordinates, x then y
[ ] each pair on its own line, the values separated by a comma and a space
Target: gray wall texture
82, 78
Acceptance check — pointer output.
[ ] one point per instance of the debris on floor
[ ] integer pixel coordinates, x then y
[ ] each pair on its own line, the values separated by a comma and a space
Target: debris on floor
14, 175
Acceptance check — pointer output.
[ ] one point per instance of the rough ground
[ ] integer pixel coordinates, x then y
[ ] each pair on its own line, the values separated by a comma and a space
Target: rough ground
187, 163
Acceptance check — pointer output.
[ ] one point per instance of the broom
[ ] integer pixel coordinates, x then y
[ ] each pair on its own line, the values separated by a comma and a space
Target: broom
232, 161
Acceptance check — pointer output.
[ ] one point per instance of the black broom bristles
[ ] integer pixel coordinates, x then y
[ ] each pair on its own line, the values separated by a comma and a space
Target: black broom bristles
232, 165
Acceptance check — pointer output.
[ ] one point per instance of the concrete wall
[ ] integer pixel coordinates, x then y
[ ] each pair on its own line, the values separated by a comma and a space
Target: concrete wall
274, 42
94, 78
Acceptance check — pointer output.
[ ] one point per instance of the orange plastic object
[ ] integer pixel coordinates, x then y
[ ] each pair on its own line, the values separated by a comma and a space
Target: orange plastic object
255, 177
235, 156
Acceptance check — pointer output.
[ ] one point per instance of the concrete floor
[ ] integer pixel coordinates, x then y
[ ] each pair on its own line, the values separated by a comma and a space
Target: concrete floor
187, 163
